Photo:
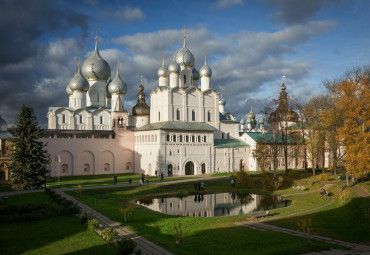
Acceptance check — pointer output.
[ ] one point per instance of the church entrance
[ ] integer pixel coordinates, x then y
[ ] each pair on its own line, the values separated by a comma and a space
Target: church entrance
169, 170
203, 168
189, 168
241, 166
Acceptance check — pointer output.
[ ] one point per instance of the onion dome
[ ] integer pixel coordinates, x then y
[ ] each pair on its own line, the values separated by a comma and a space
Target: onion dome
117, 86
107, 93
242, 122
3, 125
184, 57
141, 108
174, 67
69, 91
205, 71
196, 74
162, 71
222, 101
79, 83
283, 87
249, 121
95, 67
261, 121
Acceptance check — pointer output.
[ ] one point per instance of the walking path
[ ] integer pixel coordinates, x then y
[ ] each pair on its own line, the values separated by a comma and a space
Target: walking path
143, 244
361, 192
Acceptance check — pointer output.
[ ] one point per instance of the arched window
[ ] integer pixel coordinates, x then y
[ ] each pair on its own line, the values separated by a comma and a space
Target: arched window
106, 167
64, 168
198, 138
180, 138
193, 138
193, 115
209, 116
168, 138
178, 114
86, 168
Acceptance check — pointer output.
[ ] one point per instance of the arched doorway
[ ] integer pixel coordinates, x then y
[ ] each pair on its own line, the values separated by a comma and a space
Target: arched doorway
241, 166
189, 168
169, 170
203, 168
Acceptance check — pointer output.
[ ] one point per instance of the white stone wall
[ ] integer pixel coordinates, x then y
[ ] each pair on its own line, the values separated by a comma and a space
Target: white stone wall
229, 159
94, 155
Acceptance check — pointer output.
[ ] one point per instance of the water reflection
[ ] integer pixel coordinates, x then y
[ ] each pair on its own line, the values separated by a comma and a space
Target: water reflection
211, 205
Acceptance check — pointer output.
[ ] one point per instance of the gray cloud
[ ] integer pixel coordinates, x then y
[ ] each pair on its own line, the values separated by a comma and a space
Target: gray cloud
293, 12
33, 72
222, 4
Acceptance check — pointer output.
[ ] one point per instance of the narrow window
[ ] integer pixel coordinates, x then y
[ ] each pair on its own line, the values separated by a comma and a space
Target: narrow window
159, 116
193, 115
63, 118
80, 118
168, 138
101, 119
209, 116
193, 139
198, 138
180, 137
184, 79
205, 139
178, 114
174, 138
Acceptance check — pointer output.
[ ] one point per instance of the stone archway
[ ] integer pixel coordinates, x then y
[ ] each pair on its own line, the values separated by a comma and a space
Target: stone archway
189, 168
169, 170
203, 168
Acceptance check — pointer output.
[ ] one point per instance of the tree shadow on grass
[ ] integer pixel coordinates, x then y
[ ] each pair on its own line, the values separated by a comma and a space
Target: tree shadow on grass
349, 222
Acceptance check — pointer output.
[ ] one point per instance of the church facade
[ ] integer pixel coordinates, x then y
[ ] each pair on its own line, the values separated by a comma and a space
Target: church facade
185, 131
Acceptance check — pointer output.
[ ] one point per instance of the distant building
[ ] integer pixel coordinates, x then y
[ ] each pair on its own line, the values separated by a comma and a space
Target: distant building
5, 149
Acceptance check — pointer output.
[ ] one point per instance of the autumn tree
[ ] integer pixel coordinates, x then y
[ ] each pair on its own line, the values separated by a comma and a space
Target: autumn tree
353, 101
28, 159
263, 155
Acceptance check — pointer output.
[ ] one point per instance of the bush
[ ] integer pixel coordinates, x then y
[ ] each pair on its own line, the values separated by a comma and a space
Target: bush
108, 234
324, 177
126, 246
146, 200
182, 193
93, 225
292, 174
242, 180
269, 182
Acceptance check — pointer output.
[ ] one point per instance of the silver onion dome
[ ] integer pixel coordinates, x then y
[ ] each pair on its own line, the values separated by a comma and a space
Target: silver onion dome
196, 74
95, 67
117, 86
69, 91
107, 93
205, 71
184, 57
222, 101
174, 67
3, 125
79, 83
162, 71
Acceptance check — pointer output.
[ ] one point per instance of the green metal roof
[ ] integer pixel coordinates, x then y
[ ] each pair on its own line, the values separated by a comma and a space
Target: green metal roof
222, 143
178, 125
269, 137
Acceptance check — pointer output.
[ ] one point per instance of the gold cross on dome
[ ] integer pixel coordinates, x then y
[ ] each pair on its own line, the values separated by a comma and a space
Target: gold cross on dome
184, 31
141, 79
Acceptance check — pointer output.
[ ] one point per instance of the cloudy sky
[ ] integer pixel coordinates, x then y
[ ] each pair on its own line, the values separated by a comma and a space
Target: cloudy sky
250, 44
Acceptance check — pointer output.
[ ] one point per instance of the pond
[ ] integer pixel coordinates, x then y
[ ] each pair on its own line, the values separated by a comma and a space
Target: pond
212, 205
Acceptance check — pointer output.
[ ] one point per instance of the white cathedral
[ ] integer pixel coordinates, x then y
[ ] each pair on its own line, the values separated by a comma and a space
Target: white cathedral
185, 131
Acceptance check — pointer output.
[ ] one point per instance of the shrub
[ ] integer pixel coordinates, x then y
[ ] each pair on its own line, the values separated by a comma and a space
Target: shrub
324, 177
125, 212
146, 200
269, 182
93, 225
242, 180
126, 246
182, 193
292, 174
179, 237
108, 234
84, 217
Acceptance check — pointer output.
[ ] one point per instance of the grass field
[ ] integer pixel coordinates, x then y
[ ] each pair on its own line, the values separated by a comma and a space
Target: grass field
57, 235
217, 235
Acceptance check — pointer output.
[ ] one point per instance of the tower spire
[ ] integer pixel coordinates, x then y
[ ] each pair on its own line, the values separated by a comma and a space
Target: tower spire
141, 79
184, 35
96, 38
117, 67
205, 55
174, 50
162, 56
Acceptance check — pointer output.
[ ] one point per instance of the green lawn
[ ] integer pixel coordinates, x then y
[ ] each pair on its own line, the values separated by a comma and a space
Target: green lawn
218, 235
102, 180
364, 185
57, 235
346, 221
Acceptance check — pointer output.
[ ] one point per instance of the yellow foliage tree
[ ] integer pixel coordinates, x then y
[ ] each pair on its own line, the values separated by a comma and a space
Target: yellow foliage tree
353, 102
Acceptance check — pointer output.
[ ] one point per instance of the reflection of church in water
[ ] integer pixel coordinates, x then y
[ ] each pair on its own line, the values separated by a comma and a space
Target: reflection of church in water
211, 205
